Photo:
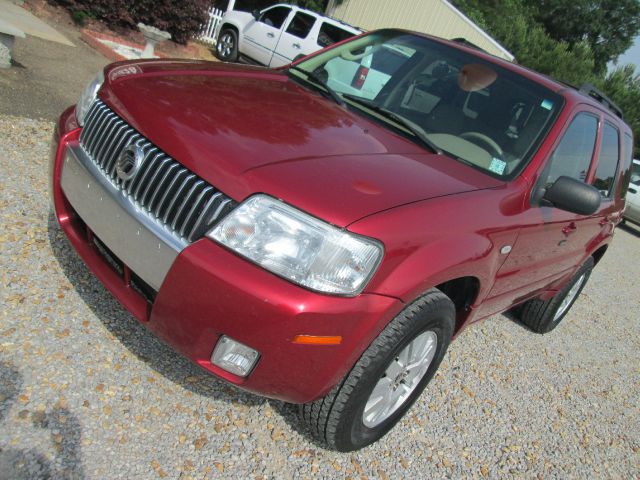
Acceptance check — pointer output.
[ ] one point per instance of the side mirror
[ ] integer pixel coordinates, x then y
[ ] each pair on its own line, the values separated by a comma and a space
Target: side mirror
573, 196
256, 14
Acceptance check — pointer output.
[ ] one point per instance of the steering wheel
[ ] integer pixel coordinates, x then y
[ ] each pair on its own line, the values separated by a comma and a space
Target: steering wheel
485, 140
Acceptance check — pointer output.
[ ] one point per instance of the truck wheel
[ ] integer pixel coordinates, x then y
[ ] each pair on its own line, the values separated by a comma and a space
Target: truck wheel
227, 46
387, 379
543, 316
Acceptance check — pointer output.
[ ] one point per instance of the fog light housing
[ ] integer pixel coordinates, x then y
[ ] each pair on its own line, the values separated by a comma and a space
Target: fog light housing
234, 357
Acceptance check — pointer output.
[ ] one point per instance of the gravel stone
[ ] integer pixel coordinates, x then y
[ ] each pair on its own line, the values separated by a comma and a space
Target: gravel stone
88, 392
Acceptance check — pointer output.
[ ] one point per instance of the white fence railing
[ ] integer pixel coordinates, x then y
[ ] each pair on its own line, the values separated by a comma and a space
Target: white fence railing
209, 29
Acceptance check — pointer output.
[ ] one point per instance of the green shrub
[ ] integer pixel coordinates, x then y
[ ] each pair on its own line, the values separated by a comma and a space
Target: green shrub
80, 17
182, 19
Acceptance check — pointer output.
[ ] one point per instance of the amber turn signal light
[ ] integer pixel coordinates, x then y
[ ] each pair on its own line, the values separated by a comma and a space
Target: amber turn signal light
317, 340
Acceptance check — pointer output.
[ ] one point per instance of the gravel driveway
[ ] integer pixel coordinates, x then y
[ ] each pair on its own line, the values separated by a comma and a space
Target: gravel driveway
86, 391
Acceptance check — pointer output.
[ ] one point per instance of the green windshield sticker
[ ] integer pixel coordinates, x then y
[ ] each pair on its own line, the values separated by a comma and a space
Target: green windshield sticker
547, 104
497, 166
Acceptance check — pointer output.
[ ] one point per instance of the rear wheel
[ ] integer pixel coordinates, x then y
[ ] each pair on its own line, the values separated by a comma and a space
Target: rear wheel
543, 316
387, 379
227, 45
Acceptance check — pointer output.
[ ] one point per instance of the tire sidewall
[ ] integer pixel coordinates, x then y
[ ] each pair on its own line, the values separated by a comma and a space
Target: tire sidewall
234, 51
585, 270
355, 434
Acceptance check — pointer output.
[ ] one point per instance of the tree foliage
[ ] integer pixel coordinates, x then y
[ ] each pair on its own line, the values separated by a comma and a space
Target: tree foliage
623, 86
607, 26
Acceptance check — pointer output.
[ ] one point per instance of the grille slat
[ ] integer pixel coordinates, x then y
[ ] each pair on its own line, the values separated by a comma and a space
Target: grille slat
127, 139
158, 195
180, 193
103, 139
177, 199
90, 130
149, 166
154, 185
185, 206
102, 154
188, 223
165, 201
211, 203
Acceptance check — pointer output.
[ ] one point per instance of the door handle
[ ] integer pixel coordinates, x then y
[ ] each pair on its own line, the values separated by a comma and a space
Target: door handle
296, 45
270, 35
569, 229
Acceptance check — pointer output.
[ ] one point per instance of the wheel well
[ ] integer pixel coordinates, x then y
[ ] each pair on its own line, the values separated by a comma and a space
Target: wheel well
228, 26
462, 292
597, 255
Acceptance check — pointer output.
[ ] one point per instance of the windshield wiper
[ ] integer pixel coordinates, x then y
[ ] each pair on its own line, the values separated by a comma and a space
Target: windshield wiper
316, 78
418, 133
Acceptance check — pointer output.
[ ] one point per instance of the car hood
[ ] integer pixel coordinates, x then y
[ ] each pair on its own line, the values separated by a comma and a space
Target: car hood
248, 129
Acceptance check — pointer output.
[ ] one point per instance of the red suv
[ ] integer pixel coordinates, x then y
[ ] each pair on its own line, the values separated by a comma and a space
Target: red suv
320, 246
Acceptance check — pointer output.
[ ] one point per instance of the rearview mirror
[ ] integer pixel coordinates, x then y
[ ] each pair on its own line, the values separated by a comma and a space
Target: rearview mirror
573, 196
256, 14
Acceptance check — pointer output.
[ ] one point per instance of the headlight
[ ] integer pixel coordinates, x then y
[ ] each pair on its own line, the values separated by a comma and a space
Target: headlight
88, 96
299, 247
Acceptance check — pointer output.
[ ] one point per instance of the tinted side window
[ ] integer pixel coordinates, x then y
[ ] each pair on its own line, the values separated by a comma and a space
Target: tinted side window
301, 25
330, 34
626, 168
608, 160
573, 156
275, 17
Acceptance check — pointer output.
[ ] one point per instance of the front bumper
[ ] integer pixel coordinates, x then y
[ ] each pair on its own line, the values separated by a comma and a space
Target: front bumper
205, 291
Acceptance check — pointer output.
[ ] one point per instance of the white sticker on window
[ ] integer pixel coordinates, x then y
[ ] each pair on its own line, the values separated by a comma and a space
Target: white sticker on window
497, 166
547, 104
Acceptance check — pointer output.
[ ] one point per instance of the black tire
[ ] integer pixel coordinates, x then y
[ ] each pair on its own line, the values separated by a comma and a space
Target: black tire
336, 420
227, 45
542, 316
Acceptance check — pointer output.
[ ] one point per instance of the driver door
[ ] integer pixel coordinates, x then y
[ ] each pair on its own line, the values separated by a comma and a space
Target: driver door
552, 242
262, 36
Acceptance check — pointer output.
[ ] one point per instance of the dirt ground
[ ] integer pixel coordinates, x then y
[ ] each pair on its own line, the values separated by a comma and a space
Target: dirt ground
48, 77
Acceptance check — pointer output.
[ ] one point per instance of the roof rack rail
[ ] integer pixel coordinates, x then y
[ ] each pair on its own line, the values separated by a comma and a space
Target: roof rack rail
467, 43
591, 91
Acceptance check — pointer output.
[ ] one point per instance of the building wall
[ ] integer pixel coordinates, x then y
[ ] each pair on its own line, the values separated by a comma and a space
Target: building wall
434, 17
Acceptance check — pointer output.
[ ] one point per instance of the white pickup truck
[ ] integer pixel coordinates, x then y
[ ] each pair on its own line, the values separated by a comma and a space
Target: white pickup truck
277, 35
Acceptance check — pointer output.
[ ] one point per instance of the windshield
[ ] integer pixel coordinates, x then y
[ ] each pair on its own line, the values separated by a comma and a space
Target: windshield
469, 108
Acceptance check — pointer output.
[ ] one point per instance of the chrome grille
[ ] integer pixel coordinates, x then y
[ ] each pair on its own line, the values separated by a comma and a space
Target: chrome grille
166, 191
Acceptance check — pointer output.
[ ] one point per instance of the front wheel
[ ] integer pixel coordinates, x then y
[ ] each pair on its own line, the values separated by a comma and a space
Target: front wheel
387, 379
543, 316
227, 46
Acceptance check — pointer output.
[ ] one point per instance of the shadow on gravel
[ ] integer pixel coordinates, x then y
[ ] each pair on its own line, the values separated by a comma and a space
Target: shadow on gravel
629, 228
133, 335
64, 429
513, 316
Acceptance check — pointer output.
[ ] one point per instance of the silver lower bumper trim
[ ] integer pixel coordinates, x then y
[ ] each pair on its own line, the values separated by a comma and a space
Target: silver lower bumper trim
143, 244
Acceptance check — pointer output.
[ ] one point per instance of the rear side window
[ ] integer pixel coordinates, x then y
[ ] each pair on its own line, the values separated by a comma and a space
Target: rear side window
630, 172
275, 17
330, 34
608, 160
301, 25
573, 155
